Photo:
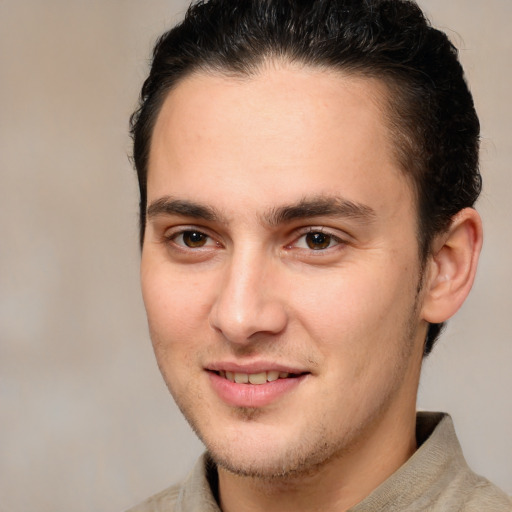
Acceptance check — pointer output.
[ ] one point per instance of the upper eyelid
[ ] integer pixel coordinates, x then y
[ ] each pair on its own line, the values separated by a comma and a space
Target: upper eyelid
296, 233
341, 239
177, 230
171, 233
170, 241
342, 236
335, 238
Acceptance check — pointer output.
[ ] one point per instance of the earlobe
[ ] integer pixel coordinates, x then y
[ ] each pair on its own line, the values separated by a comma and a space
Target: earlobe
452, 266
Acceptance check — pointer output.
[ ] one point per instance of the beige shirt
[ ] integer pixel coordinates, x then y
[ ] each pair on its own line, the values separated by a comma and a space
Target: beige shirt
435, 479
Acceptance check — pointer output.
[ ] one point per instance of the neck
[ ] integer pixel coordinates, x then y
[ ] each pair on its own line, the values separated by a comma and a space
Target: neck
338, 484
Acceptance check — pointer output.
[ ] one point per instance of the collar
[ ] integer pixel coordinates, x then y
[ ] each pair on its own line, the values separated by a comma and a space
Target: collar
423, 478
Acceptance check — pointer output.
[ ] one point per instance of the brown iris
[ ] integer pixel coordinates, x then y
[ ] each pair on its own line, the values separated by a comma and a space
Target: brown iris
318, 240
194, 238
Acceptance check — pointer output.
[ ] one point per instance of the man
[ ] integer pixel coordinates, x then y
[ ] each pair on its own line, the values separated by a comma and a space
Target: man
307, 174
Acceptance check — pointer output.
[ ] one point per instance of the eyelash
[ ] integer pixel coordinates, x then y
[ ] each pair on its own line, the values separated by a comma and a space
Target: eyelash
332, 240
172, 237
318, 231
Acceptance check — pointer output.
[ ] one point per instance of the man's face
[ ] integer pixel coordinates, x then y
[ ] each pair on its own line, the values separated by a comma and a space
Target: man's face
281, 249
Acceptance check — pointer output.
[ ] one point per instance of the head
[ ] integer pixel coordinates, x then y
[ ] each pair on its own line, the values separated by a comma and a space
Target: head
303, 221
430, 109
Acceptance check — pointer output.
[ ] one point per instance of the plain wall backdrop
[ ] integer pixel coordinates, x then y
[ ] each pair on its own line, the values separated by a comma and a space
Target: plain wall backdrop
86, 423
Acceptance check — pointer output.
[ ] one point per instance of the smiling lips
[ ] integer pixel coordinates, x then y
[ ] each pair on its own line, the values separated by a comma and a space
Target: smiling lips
254, 390
255, 378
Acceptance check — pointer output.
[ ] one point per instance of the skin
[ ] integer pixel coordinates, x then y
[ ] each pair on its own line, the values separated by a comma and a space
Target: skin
228, 278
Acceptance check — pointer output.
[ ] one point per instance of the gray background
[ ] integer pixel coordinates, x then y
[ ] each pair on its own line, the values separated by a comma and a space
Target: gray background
86, 423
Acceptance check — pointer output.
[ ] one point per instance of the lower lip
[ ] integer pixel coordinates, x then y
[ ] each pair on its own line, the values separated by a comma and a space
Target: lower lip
252, 395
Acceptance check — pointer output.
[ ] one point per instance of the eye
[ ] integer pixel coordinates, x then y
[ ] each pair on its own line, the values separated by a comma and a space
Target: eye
192, 239
317, 241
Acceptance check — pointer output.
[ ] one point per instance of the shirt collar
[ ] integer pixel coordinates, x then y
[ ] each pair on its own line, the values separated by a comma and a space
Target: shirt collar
423, 476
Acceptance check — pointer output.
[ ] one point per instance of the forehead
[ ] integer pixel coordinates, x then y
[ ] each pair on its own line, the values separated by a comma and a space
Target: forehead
285, 131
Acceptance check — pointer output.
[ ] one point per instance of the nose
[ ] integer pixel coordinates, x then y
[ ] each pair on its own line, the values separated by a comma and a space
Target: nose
248, 302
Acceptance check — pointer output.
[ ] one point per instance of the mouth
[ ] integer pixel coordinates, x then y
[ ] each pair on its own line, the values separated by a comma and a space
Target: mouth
254, 387
256, 378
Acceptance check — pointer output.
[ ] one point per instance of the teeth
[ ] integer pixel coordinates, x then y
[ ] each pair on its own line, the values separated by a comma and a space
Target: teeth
258, 378
254, 378
272, 376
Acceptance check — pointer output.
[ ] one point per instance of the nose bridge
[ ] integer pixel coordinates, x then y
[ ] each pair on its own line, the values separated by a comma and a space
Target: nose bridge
247, 301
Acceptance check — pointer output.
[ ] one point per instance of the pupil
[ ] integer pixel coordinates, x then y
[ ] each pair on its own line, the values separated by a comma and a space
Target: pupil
318, 241
194, 238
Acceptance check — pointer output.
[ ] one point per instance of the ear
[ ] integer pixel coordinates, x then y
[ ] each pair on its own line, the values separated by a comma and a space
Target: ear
452, 266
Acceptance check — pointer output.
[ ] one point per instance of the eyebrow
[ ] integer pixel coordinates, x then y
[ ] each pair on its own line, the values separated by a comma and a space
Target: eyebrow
317, 206
169, 206
331, 206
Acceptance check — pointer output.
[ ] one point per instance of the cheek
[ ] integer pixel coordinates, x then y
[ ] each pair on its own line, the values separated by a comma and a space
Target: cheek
343, 300
361, 314
173, 307
174, 302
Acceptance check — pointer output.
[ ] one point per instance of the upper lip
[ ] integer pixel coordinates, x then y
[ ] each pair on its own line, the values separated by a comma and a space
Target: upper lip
255, 367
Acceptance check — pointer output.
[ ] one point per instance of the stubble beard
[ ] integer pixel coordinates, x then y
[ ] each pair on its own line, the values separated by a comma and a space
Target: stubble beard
319, 446
294, 459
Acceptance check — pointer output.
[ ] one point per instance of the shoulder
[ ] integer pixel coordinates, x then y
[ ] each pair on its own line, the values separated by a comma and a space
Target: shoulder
455, 487
195, 493
483, 495
163, 501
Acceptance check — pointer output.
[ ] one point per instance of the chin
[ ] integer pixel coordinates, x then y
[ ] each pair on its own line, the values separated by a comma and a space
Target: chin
284, 466
269, 455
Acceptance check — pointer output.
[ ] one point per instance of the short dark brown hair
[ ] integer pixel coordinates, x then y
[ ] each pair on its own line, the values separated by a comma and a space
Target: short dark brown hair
431, 109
